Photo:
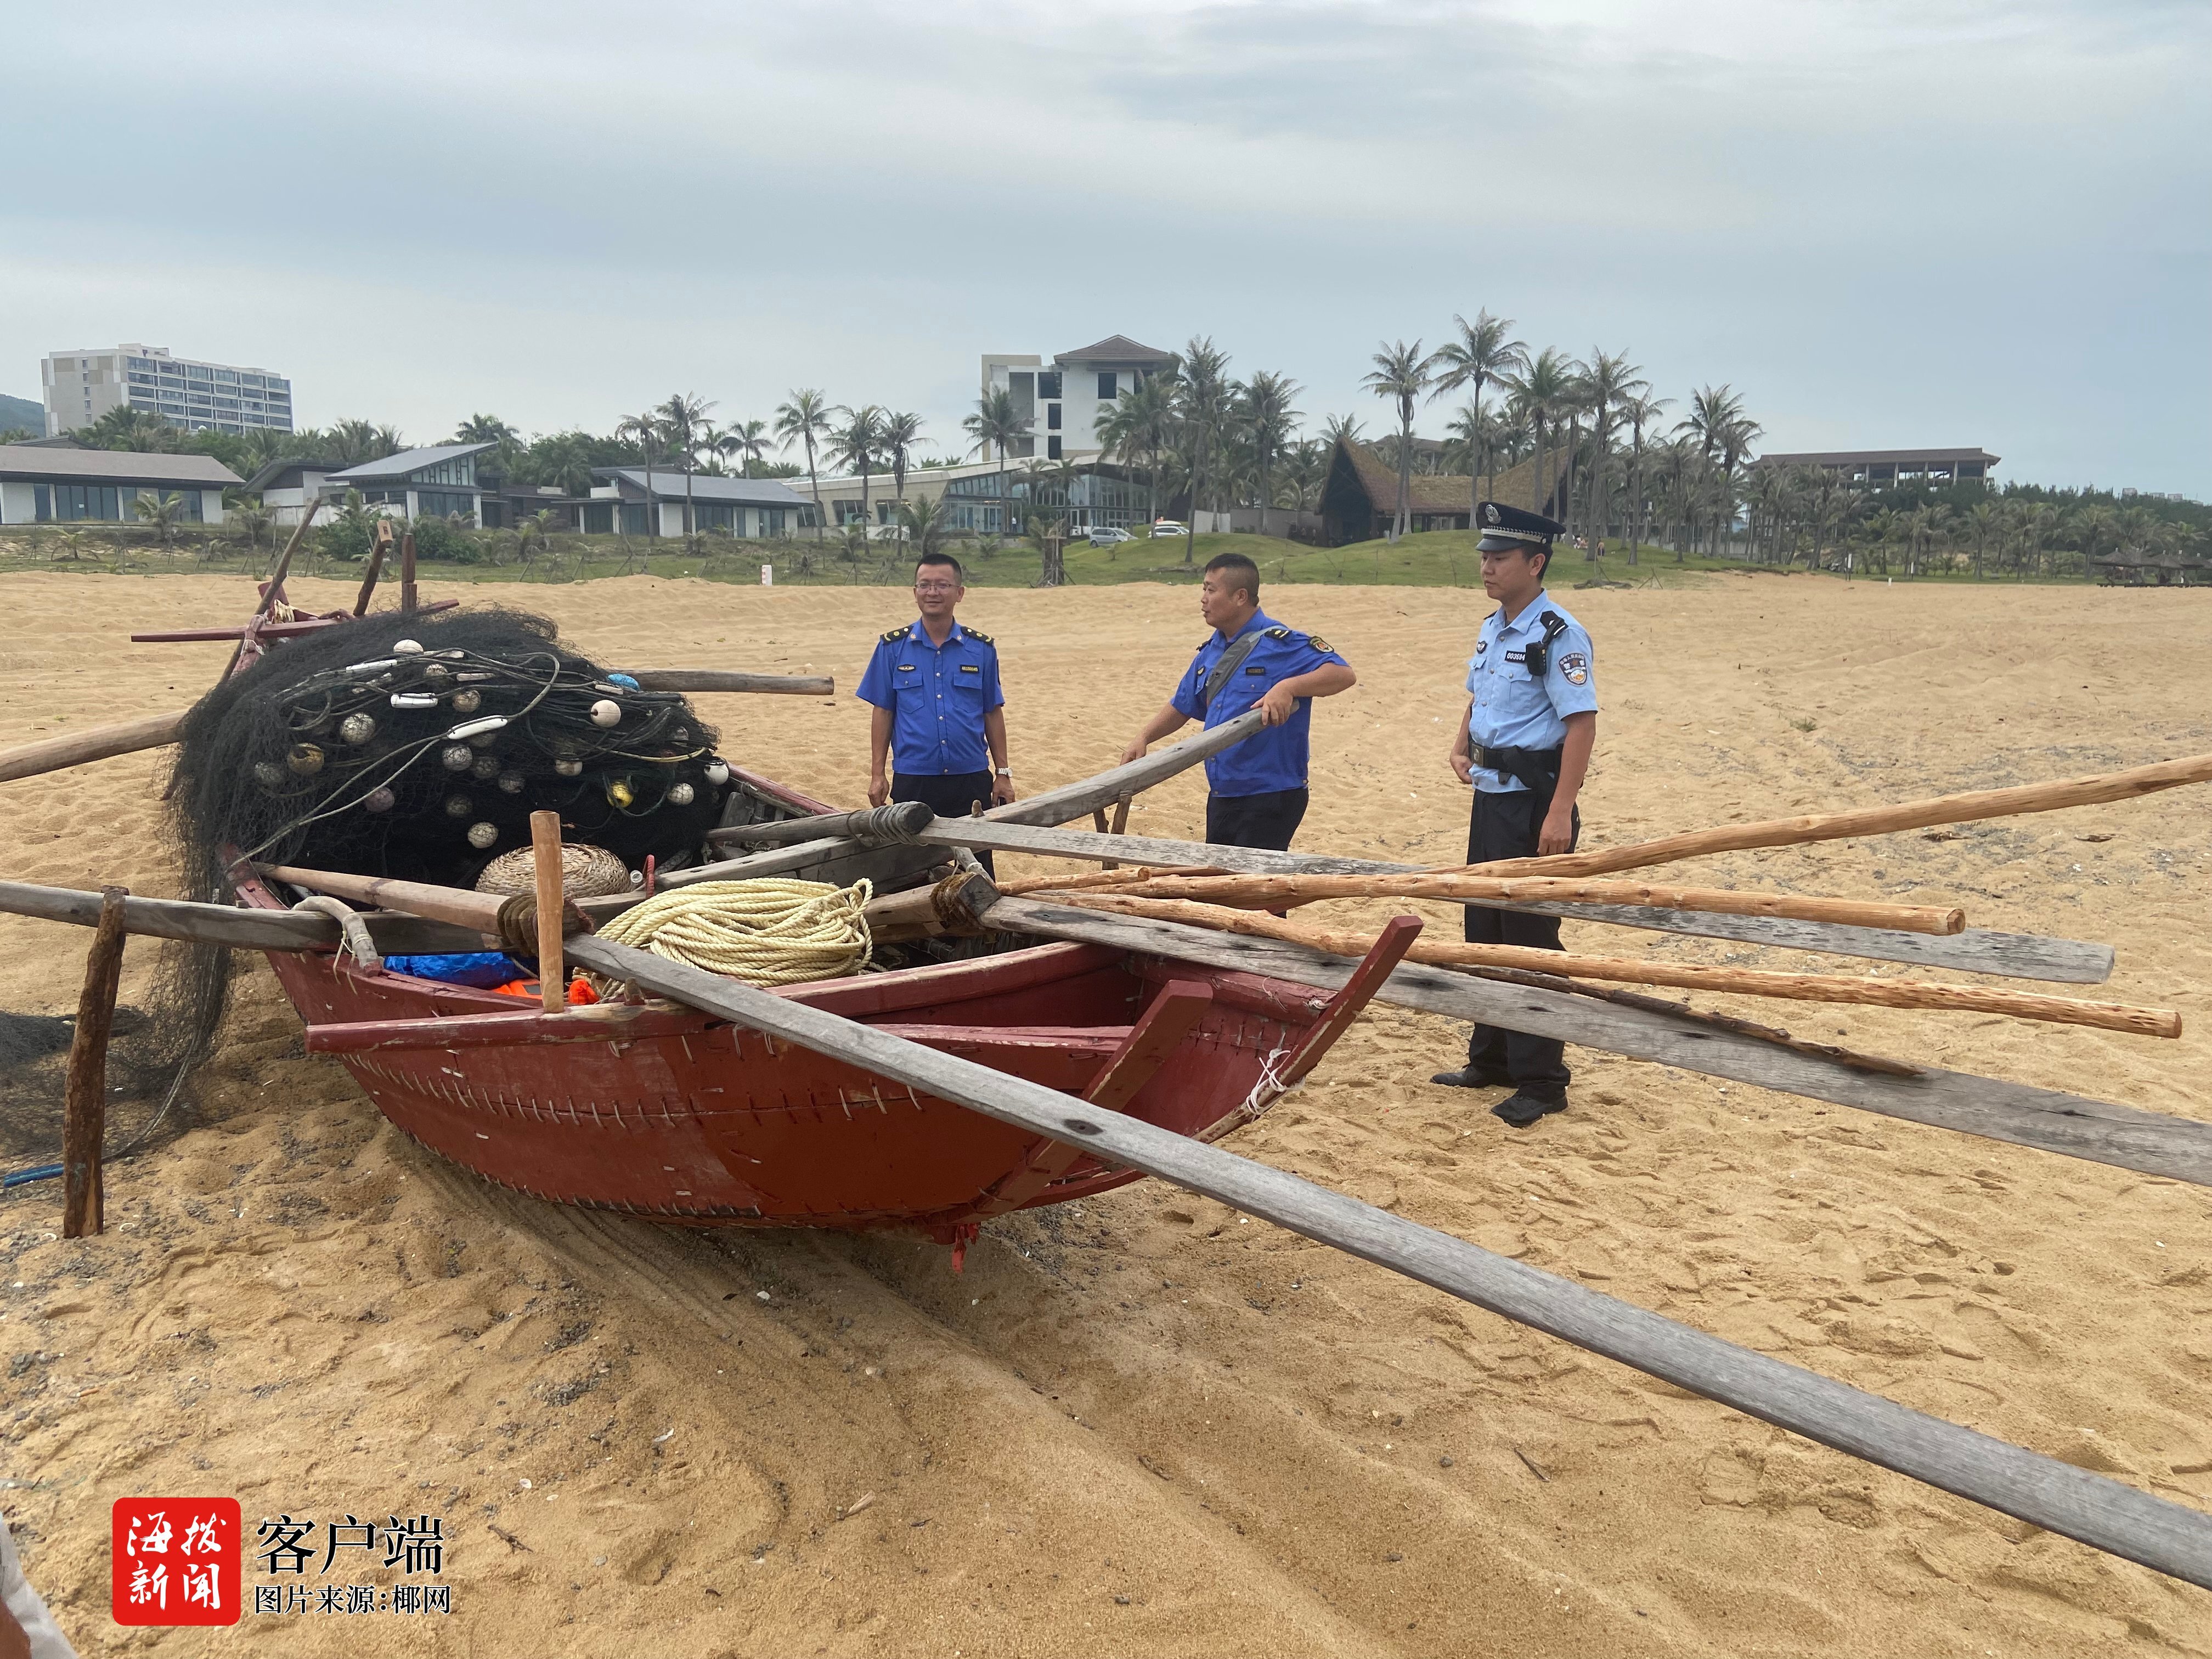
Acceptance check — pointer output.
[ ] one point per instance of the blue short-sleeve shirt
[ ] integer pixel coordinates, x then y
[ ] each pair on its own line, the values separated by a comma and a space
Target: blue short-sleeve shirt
1513, 708
1272, 759
938, 696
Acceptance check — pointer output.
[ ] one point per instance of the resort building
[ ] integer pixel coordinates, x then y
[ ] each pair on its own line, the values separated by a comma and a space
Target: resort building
1359, 498
1062, 402
63, 484
749, 509
81, 386
436, 481
985, 498
1880, 467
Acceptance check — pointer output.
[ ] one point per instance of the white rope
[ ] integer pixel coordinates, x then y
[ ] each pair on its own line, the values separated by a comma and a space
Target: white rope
770, 931
1267, 1089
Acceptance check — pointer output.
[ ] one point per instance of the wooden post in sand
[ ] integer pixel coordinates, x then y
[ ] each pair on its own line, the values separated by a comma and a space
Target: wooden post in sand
407, 596
84, 1123
377, 545
545, 855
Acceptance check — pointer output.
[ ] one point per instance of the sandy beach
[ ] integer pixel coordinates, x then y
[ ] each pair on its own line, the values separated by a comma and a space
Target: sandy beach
1144, 1424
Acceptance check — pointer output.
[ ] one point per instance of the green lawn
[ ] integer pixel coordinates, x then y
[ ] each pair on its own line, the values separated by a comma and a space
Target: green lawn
1443, 558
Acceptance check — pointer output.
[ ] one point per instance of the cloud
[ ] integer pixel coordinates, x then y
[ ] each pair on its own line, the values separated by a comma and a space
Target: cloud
1884, 223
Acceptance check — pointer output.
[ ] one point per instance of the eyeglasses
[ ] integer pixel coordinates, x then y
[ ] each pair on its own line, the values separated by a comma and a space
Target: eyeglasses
937, 587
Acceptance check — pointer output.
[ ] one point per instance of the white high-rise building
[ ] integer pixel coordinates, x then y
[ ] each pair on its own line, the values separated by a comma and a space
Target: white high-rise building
81, 386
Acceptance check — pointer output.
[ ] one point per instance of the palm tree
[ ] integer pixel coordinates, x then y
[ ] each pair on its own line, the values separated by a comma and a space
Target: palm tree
927, 524
748, 441
1479, 355
682, 417
1340, 429
135, 429
897, 435
998, 423
1139, 427
1542, 389
532, 535
1639, 411
1609, 384
1305, 468
1203, 409
351, 443
646, 433
857, 445
804, 419
163, 513
484, 429
1269, 422
1401, 372
252, 522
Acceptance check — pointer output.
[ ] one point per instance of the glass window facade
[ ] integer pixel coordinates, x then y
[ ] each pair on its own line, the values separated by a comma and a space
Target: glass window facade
461, 470
1108, 387
1049, 384
74, 501
438, 503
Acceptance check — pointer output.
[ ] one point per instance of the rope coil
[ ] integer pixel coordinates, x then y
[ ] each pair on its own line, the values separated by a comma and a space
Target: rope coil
769, 932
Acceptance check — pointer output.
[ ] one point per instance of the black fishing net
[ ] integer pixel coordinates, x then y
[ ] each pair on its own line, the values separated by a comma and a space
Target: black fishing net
415, 747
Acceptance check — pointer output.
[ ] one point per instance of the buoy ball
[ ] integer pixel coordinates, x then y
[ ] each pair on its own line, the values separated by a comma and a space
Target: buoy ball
483, 836
357, 729
606, 712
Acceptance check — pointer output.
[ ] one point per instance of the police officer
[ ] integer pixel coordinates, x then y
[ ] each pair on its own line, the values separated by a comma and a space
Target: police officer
938, 707
1524, 744
1250, 660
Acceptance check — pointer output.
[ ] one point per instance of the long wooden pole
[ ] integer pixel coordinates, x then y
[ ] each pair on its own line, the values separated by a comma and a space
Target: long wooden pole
408, 596
275, 591
457, 905
545, 858
395, 933
1740, 981
2058, 1497
377, 544
100, 743
2070, 1125
2090, 790
1269, 892
84, 1120
715, 679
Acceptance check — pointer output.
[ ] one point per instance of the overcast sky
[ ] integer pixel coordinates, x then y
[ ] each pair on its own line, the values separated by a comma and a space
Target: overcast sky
1885, 224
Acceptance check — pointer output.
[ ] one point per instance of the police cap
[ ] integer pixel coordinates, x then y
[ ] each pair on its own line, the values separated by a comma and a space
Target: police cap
1505, 528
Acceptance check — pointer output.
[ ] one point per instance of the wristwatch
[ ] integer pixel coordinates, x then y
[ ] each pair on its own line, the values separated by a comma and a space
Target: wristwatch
1006, 771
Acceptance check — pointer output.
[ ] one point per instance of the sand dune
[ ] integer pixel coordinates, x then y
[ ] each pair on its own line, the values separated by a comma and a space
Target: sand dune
1144, 1425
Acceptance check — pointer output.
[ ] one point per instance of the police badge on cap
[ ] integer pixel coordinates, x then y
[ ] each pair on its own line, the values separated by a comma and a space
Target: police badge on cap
1506, 528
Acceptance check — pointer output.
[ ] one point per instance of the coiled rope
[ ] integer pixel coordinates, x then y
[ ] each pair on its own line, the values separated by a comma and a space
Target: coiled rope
768, 932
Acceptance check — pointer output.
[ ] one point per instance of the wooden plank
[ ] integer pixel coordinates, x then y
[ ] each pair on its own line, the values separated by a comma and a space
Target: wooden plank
1372, 972
84, 1111
715, 679
890, 824
1147, 1046
2019, 956
29, 760
270, 630
377, 546
2073, 1126
548, 877
1075, 800
396, 934
2058, 1497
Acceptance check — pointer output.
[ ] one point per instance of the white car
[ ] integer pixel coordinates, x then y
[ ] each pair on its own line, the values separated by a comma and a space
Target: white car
1167, 527
1106, 536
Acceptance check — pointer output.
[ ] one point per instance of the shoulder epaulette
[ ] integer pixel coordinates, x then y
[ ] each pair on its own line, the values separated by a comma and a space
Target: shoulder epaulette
892, 636
1279, 633
978, 633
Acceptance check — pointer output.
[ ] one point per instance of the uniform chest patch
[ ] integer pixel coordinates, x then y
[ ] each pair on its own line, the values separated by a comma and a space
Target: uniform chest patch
1517, 656
1255, 669
1481, 646
969, 668
906, 668
1576, 667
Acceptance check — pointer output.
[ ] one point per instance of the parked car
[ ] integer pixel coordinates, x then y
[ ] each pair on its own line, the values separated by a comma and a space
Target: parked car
1106, 536
1167, 527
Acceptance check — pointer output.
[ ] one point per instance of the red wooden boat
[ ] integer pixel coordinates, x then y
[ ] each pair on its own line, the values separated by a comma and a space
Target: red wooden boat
666, 1112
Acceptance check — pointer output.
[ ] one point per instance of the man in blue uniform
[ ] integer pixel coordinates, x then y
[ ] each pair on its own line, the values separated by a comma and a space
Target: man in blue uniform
1524, 744
1250, 660
938, 710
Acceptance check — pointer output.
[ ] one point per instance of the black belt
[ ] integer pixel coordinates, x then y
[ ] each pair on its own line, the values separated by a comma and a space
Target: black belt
1539, 768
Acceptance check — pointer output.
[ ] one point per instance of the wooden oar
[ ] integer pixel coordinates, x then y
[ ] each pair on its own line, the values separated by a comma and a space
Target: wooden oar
2058, 1497
1969, 808
99, 743
1271, 892
1740, 981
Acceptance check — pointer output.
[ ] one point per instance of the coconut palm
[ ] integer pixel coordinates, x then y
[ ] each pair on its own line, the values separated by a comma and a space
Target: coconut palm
748, 440
1203, 411
1541, 389
1641, 410
645, 434
351, 443
998, 423
161, 512
1269, 422
804, 419
856, 443
682, 418
926, 525
900, 430
1138, 429
1305, 469
1402, 373
1478, 355
125, 427
1610, 383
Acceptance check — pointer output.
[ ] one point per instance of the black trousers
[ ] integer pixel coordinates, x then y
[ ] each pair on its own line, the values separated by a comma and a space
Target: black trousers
1268, 820
1506, 827
949, 795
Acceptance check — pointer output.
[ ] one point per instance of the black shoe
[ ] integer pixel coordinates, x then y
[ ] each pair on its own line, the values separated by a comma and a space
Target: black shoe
1473, 1076
1522, 1108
